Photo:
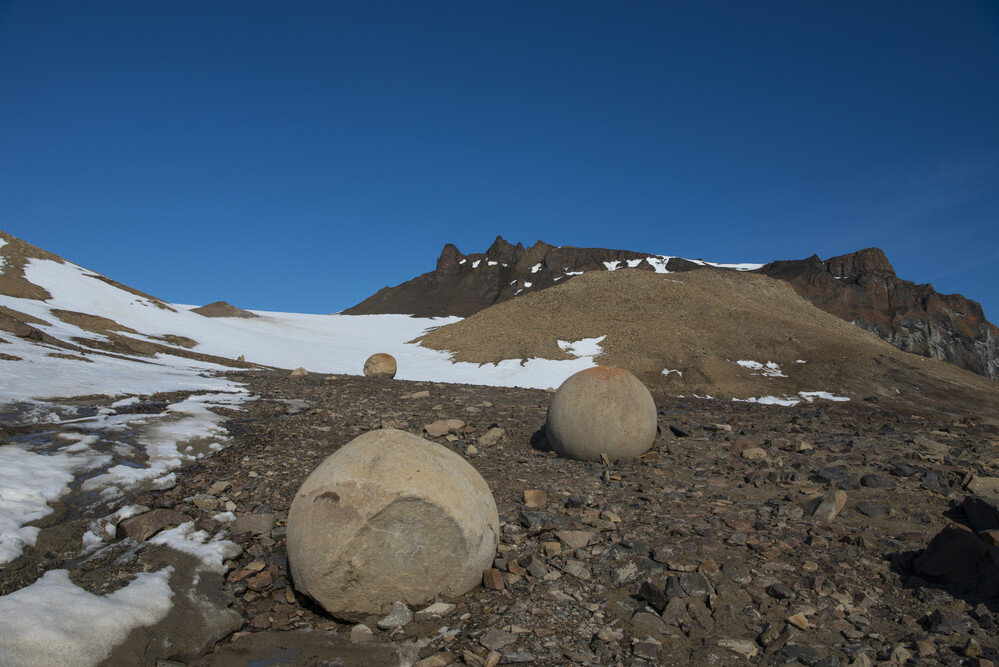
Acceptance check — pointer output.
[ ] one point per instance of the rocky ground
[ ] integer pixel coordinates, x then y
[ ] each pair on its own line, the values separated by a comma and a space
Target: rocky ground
749, 533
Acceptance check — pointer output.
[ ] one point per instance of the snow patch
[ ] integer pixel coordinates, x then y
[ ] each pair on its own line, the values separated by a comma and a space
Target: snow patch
188, 422
573, 273
28, 483
55, 622
658, 263
788, 401
812, 395
536, 268
613, 266
212, 552
667, 371
476, 263
585, 347
125, 402
769, 369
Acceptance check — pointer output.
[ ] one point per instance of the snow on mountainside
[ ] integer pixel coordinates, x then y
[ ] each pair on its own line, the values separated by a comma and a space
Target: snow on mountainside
98, 337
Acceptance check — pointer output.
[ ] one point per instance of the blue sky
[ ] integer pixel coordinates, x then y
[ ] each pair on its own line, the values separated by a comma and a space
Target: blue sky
299, 156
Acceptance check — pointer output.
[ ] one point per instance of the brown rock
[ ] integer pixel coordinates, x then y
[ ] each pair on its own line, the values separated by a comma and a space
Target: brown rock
381, 366
575, 539
144, 526
493, 578
258, 524
535, 498
491, 437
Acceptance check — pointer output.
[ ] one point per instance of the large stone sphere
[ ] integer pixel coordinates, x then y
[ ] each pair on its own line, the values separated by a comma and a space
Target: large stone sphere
380, 365
390, 517
602, 410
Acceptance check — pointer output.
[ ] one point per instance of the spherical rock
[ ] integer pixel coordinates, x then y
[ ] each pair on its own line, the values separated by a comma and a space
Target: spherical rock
601, 410
380, 365
389, 517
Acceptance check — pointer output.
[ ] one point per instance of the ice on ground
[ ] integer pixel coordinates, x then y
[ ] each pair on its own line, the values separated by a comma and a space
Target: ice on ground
574, 273
212, 552
491, 263
28, 483
55, 622
125, 402
769, 369
800, 361
528, 284
476, 263
667, 371
187, 422
536, 268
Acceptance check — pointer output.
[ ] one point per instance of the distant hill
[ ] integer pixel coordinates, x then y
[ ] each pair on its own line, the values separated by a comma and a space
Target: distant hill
860, 287
714, 333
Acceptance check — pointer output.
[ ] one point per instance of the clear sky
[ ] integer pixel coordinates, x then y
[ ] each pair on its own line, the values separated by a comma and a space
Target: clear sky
299, 156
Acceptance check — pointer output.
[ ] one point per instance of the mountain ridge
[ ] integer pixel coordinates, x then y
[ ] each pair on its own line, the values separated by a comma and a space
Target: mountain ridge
860, 287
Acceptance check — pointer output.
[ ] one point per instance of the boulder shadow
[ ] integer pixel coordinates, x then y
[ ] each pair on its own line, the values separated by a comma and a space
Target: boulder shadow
539, 440
956, 563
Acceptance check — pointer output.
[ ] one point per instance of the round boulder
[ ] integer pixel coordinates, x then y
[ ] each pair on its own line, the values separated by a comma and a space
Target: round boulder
601, 410
380, 365
388, 517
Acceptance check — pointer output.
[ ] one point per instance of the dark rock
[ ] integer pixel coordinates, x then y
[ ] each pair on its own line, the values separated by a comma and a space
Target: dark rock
877, 482
982, 512
630, 569
957, 557
679, 432
804, 654
830, 475
737, 571
695, 584
653, 594
538, 520
780, 591
870, 509
939, 622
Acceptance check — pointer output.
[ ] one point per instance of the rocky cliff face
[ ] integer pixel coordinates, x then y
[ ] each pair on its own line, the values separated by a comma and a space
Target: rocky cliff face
860, 287
465, 284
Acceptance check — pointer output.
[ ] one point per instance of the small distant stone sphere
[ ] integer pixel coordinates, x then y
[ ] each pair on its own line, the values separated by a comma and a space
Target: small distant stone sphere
380, 365
601, 410
389, 517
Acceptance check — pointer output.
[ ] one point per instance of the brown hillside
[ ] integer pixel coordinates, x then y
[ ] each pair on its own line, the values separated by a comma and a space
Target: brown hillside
700, 323
222, 309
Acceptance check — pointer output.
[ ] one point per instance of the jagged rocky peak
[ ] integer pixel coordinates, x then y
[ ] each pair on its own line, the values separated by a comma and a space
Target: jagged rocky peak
868, 260
450, 257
